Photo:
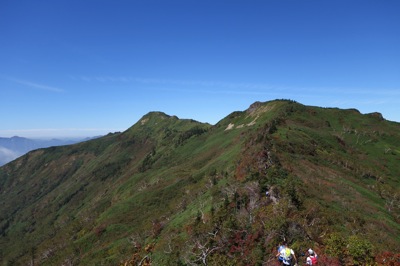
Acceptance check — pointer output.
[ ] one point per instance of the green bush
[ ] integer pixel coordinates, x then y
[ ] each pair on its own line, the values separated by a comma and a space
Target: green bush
359, 250
356, 249
335, 245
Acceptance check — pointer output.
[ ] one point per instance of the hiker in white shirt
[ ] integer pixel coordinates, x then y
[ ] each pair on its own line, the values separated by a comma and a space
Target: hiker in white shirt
287, 255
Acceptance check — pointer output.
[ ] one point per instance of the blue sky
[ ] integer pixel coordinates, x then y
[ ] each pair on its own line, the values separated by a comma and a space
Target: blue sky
89, 67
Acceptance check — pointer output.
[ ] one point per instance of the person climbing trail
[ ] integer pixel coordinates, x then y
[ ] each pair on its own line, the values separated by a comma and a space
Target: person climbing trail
312, 258
279, 255
288, 256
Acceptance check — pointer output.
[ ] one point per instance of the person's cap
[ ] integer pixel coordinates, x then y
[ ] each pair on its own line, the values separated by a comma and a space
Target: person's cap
311, 251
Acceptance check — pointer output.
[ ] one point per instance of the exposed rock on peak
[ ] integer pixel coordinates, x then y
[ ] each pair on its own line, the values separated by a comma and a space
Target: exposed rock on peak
377, 115
253, 107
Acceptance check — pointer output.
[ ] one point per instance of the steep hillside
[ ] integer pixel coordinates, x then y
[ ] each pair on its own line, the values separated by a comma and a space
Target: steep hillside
178, 192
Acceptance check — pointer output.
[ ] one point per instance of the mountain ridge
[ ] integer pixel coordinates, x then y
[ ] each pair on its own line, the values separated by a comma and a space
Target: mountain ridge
167, 185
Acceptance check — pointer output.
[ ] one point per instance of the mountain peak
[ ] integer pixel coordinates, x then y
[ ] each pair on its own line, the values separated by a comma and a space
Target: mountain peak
155, 116
262, 107
254, 106
376, 115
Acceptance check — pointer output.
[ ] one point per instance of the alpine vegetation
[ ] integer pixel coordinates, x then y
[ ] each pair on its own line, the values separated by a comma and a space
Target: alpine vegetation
170, 191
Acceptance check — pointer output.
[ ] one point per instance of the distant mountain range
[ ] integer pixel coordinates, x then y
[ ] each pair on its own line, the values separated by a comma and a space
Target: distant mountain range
172, 191
12, 148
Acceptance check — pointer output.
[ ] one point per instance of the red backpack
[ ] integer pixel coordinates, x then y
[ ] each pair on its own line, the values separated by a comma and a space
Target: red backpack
314, 260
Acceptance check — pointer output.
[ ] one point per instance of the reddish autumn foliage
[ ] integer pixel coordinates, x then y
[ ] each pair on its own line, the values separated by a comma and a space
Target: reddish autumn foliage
328, 261
388, 258
99, 230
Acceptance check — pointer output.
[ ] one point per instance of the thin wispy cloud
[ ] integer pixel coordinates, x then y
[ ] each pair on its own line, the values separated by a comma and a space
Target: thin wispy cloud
377, 101
247, 88
7, 155
187, 83
227, 92
352, 91
37, 85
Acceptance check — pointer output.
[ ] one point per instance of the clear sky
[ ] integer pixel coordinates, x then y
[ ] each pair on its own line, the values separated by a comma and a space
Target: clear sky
89, 67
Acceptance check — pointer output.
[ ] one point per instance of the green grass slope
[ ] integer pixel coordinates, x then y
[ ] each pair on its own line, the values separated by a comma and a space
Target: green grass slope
178, 192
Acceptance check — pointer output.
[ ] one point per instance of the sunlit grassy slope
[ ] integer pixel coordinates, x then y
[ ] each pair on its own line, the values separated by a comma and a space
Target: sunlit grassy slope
179, 192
